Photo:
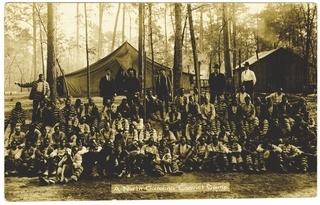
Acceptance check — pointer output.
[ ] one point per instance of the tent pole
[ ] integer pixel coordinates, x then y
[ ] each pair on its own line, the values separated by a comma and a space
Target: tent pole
64, 77
87, 52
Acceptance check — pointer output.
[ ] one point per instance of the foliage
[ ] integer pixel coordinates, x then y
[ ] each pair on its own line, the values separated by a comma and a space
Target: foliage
289, 25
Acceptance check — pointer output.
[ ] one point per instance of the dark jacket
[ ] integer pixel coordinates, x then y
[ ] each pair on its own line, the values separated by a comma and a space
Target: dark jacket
163, 85
107, 88
217, 82
132, 85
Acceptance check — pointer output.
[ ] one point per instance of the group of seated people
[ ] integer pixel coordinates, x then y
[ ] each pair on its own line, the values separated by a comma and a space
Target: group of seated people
88, 141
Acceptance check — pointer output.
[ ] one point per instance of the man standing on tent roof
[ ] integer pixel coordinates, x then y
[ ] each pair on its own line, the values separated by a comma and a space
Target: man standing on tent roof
107, 87
132, 85
248, 79
163, 89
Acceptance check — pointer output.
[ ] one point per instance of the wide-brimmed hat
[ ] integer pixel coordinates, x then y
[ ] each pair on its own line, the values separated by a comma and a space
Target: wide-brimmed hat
246, 63
216, 66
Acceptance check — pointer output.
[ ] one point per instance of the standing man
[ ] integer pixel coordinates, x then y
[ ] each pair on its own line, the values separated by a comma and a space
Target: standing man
132, 85
40, 90
107, 87
248, 79
163, 89
217, 84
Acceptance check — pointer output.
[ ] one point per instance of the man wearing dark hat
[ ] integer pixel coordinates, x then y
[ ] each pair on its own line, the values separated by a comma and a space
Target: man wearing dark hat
132, 85
163, 89
217, 84
248, 79
107, 87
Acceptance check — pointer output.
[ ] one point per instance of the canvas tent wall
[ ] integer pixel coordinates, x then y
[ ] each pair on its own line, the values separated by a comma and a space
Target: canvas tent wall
276, 68
119, 61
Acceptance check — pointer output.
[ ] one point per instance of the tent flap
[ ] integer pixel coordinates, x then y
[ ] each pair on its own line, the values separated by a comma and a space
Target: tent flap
123, 58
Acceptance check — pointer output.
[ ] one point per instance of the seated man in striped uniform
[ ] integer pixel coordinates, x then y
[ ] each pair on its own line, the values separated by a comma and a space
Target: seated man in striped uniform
18, 115
181, 102
107, 133
92, 113
216, 155
148, 132
173, 118
69, 168
183, 152
151, 160
18, 136
11, 158
208, 111
293, 157
168, 164
120, 124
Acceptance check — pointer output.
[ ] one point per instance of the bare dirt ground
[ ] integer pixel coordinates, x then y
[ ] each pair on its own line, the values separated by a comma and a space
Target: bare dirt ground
242, 185
268, 185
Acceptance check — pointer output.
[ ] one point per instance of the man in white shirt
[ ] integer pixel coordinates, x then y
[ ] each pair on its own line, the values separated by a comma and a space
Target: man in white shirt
248, 79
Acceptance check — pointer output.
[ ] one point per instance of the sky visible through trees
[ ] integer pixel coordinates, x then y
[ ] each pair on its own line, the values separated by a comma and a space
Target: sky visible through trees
252, 27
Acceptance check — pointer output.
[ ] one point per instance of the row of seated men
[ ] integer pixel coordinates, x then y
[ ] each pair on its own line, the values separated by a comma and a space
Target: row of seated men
130, 146
125, 157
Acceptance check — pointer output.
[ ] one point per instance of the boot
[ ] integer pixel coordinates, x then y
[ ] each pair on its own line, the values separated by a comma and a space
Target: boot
233, 167
263, 168
250, 169
241, 167
256, 168
217, 169
283, 169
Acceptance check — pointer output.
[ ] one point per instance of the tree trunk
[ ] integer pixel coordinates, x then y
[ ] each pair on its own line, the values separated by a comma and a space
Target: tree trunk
225, 24
130, 28
115, 28
123, 21
234, 35
212, 47
141, 54
100, 30
41, 26
177, 67
309, 28
51, 63
41, 49
165, 32
151, 46
78, 35
140, 38
201, 31
87, 51
194, 51
34, 23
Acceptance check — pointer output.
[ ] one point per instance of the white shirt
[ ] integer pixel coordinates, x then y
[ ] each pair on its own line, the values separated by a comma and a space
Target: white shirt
248, 75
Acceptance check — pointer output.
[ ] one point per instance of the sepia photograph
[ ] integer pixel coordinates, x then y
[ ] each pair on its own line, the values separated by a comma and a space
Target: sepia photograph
162, 101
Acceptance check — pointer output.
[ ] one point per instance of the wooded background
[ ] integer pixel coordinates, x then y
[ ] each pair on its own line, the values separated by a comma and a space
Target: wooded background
51, 38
